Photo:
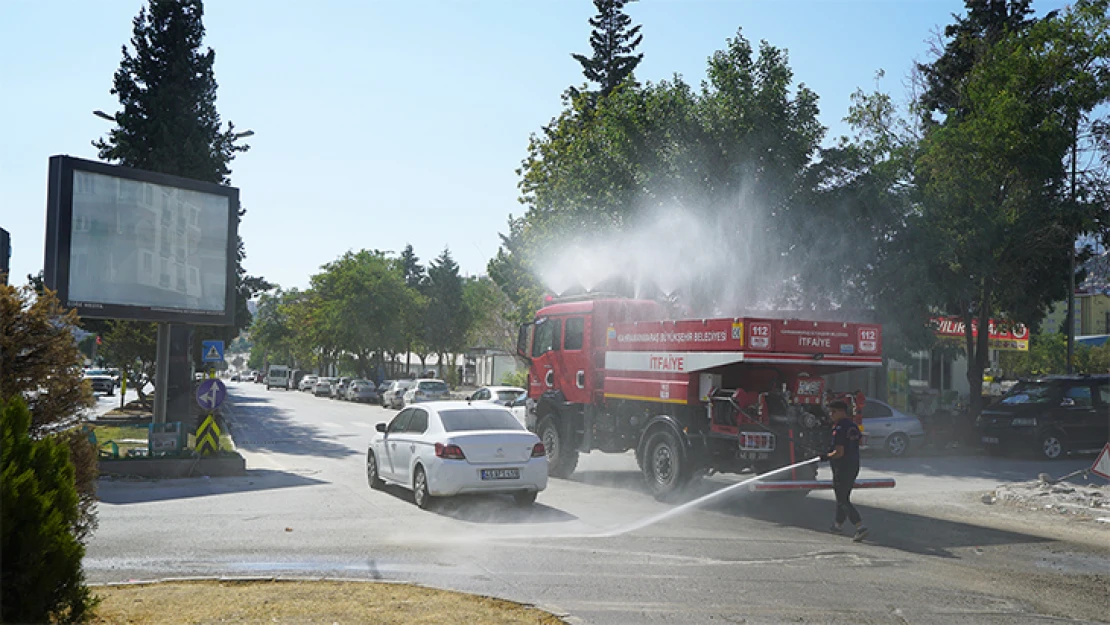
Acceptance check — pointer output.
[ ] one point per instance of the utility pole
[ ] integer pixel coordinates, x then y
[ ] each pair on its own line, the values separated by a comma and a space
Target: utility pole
1071, 252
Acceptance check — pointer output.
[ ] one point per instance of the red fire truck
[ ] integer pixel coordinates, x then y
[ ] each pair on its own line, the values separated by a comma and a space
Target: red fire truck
690, 396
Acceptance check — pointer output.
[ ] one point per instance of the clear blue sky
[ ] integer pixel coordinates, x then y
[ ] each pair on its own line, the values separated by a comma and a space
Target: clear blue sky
384, 123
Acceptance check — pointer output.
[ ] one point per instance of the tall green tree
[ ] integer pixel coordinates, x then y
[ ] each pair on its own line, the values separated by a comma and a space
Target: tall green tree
966, 40
411, 268
727, 164
446, 318
997, 220
166, 87
493, 320
614, 45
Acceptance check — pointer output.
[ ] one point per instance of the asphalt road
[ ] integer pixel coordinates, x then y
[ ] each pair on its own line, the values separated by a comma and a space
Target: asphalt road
936, 555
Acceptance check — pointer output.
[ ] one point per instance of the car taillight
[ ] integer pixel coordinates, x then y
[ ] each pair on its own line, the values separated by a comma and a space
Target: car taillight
538, 450
449, 452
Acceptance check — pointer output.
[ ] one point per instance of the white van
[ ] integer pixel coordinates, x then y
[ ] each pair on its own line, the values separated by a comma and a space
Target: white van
278, 376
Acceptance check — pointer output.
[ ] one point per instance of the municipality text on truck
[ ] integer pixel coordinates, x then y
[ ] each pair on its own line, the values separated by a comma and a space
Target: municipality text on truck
690, 396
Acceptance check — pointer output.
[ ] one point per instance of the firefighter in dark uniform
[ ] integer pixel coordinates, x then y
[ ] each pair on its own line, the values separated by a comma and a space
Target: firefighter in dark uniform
843, 457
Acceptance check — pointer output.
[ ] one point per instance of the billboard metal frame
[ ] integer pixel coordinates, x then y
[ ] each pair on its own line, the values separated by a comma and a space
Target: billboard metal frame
59, 228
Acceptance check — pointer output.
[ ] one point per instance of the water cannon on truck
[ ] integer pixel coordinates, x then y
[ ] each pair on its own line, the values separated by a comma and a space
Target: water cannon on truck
690, 396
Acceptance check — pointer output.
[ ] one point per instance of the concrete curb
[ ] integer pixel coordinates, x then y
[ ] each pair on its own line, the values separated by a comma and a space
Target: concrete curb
557, 613
211, 466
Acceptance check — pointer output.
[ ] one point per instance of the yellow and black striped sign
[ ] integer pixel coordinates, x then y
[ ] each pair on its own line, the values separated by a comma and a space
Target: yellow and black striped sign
208, 436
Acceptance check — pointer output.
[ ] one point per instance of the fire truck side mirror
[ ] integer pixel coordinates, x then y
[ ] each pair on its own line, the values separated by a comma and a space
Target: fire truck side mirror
524, 342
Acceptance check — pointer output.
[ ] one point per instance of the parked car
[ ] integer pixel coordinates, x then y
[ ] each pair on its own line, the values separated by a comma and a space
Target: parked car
100, 381
363, 391
522, 409
323, 387
259, 377
450, 448
339, 388
235, 377
503, 395
427, 390
395, 396
1049, 416
382, 389
889, 429
308, 383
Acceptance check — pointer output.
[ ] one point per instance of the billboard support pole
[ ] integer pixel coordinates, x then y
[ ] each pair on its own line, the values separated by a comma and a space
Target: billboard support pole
162, 373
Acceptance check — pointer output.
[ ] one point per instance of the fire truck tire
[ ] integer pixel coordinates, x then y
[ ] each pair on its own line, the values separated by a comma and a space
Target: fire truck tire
562, 459
664, 465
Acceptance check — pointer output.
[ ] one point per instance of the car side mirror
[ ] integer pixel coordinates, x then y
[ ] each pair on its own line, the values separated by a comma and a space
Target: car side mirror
380, 427
1068, 401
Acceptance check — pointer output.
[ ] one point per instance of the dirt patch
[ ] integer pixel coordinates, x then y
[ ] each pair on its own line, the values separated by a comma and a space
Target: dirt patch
299, 601
134, 408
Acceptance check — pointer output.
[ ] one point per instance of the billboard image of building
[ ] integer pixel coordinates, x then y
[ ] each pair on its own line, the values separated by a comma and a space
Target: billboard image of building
128, 244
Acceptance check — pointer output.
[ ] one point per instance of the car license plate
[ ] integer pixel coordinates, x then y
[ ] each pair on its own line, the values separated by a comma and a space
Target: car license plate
990, 440
753, 455
500, 474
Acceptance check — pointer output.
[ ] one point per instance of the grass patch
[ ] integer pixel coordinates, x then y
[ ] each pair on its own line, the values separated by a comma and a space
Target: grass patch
126, 437
129, 437
323, 602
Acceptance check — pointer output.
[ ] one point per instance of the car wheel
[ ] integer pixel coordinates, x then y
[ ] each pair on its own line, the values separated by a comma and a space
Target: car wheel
897, 444
420, 494
1053, 445
372, 476
525, 498
665, 467
561, 459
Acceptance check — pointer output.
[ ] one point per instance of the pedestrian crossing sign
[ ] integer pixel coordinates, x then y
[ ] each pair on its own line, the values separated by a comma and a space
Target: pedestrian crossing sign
212, 351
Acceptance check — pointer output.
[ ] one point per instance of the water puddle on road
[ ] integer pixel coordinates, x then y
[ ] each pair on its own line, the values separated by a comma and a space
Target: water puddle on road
690, 505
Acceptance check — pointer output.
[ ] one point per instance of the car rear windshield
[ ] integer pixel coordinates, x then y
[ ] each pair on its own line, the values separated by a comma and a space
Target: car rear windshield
470, 419
435, 387
507, 395
1030, 393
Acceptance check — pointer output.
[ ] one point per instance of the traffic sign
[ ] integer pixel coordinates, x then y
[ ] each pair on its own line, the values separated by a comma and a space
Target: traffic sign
211, 393
1101, 467
212, 351
208, 436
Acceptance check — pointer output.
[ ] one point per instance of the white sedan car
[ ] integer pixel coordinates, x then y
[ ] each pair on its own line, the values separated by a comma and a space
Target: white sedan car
504, 395
453, 447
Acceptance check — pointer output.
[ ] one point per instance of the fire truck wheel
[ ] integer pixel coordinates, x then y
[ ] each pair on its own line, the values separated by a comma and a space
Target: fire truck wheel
562, 459
664, 466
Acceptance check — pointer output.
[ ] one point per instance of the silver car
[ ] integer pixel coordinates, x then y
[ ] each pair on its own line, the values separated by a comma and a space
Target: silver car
322, 388
889, 429
427, 390
362, 391
395, 396
308, 383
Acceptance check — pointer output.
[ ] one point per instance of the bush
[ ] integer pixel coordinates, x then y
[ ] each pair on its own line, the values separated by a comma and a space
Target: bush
41, 579
517, 378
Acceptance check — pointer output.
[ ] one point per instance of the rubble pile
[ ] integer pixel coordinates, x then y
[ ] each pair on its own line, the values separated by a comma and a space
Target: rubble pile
1065, 498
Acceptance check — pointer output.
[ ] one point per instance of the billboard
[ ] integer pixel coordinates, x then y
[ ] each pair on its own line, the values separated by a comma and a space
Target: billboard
1002, 336
125, 243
